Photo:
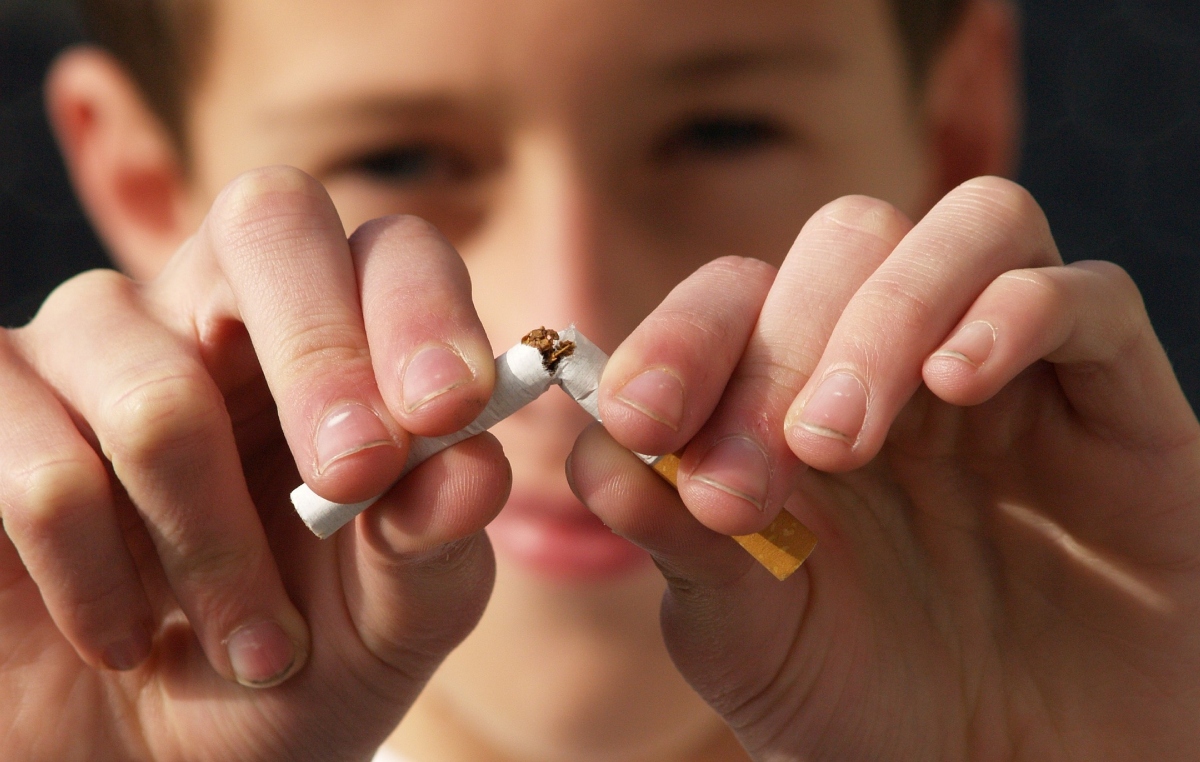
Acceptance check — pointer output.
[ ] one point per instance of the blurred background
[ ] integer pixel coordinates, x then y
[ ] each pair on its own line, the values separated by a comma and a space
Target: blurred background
1112, 152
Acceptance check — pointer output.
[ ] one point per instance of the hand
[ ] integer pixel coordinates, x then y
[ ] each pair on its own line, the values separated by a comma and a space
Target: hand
153, 575
1005, 481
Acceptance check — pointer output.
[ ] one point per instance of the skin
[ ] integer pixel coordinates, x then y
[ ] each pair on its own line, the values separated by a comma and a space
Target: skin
1004, 486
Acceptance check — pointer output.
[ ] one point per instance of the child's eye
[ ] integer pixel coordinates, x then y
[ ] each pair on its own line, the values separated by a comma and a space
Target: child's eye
412, 164
719, 136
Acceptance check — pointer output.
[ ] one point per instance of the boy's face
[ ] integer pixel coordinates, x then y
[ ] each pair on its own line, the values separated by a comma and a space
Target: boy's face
584, 156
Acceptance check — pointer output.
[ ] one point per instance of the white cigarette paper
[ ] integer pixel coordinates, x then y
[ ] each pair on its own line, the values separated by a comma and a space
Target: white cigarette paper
579, 376
521, 377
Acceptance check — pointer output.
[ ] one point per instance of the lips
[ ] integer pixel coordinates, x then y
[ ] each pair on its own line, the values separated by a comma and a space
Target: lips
559, 538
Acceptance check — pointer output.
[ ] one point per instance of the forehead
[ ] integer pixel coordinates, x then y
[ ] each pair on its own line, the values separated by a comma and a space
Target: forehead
291, 49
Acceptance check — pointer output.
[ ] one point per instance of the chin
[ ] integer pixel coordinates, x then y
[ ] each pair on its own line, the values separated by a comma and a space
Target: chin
568, 661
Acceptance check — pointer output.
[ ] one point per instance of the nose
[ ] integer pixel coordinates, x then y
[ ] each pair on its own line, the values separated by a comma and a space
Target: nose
556, 250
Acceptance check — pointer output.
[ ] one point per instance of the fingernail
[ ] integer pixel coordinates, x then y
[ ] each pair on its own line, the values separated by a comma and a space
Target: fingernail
127, 654
656, 393
431, 373
737, 466
348, 428
972, 344
261, 654
837, 409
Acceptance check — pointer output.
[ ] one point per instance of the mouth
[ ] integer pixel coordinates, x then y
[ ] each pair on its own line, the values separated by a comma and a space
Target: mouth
558, 538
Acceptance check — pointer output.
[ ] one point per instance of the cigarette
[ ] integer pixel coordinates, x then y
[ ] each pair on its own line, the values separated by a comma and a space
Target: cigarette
521, 377
546, 358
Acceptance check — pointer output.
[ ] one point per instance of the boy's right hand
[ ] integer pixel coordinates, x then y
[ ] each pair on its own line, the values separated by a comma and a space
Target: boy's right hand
149, 437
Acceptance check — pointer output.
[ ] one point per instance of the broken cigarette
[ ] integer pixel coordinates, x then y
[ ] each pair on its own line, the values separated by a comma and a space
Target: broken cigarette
545, 358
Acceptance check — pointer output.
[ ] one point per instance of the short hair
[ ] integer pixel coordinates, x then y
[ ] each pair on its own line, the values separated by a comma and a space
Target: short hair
162, 44
924, 25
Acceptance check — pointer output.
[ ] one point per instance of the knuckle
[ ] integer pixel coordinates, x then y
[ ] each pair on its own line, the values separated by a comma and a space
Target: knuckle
167, 413
896, 298
735, 269
867, 216
743, 282
324, 344
93, 286
706, 327
247, 194
417, 650
50, 495
1116, 279
1033, 286
216, 567
1125, 320
1005, 206
779, 369
263, 207
998, 191
404, 227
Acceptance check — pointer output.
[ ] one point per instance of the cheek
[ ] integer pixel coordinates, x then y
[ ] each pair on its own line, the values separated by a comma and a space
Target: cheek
749, 211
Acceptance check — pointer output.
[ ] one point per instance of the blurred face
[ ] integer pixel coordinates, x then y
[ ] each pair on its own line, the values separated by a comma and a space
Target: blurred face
584, 156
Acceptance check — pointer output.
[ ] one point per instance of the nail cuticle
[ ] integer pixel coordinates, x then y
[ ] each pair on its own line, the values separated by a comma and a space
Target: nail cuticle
837, 409
432, 372
127, 654
731, 491
738, 466
349, 428
972, 344
255, 649
656, 393
951, 354
322, 468
826, 432
269, 682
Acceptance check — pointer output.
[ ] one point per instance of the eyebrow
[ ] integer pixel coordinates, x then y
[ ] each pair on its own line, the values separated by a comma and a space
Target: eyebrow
687, 70
726, 64
370, 107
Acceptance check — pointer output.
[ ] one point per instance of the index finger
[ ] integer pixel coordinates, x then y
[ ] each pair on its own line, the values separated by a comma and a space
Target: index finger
284, 267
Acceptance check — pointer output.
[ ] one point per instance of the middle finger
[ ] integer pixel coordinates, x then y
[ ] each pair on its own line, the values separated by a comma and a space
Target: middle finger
737, 472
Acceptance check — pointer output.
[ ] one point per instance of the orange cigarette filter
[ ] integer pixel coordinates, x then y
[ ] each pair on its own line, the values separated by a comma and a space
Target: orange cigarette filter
781, 548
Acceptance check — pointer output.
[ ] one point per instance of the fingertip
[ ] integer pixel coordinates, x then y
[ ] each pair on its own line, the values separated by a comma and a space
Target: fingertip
727, 486
262, 197
642, 507
603, 475
454, 494
430, 352
828, 428
645, 410
955, 379
444, 386
953, 371
269, 652
357, 455
128, 653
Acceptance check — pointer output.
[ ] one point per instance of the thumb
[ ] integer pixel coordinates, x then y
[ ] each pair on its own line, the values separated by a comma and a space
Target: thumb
418, 569
728, 623
387, 599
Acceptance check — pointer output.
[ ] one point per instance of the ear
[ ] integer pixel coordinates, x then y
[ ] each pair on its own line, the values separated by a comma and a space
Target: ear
125, 167
973, 103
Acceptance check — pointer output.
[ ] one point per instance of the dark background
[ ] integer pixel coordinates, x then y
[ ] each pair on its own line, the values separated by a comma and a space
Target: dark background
1112, 153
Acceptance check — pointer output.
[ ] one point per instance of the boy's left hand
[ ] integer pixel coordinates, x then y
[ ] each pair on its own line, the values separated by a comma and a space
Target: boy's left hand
1005, 481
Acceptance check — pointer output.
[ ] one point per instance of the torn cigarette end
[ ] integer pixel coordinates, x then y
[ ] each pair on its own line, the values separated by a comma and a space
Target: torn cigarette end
552, 347
781, 548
